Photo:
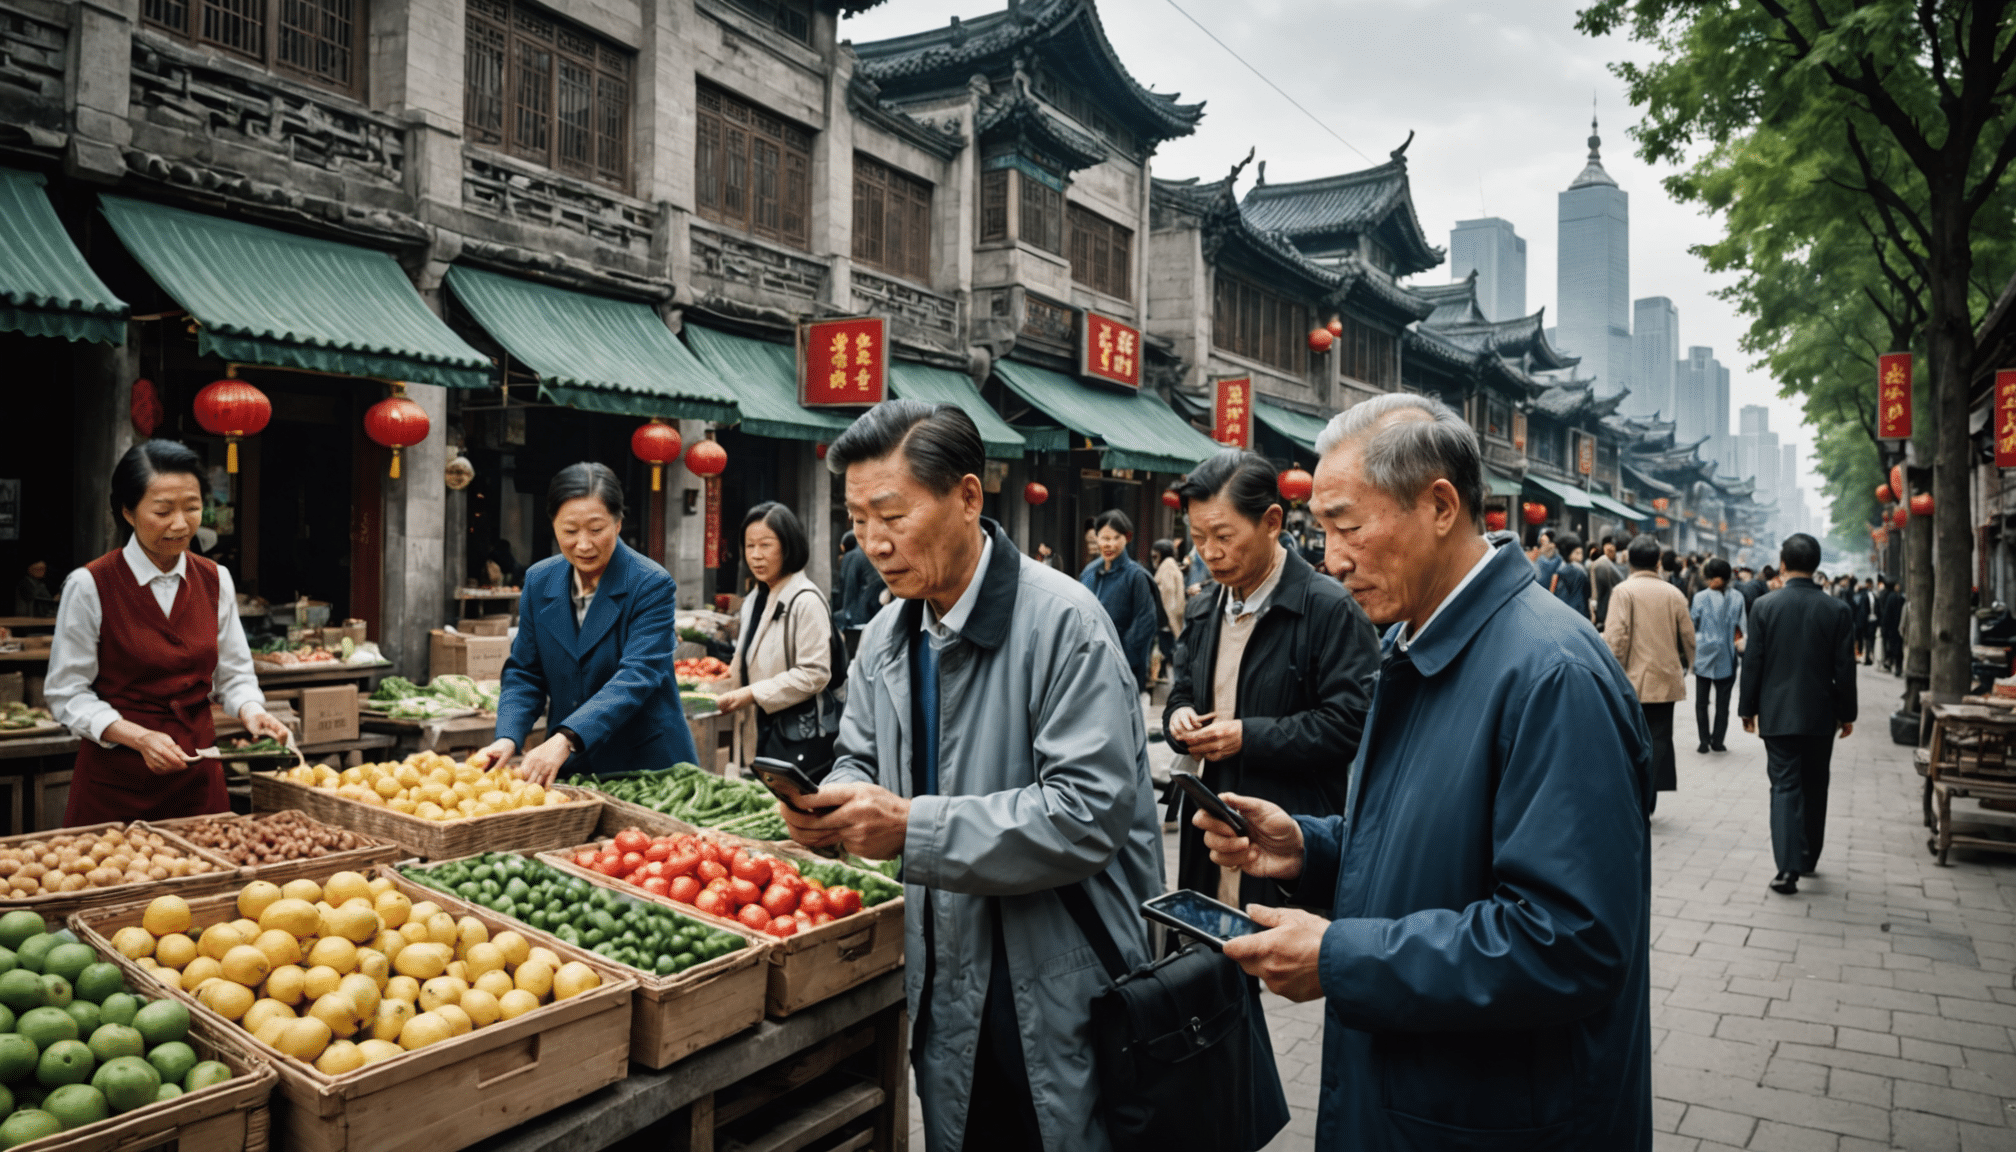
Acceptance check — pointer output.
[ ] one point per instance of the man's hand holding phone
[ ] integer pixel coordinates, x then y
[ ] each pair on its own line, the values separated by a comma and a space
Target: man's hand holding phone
867, 820
1287, 956
1271, 848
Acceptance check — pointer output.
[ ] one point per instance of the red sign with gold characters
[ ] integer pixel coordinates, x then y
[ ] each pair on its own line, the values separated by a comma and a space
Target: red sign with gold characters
1109, 350
843, 363
1585, 455
712, 537
1893, 396
1232, 411
2005, 419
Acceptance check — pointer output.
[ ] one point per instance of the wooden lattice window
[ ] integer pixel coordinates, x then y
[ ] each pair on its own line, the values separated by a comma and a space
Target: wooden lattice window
1368, 354
546, 91
313, 40
1247, 320
994, 206
752, 170
892, 220
1042, 223
791, 17
1101, 254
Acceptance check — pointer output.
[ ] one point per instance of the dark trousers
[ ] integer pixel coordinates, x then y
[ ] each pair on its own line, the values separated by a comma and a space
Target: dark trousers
1166, 641
1659, 718
1799, 773
1001, 1112
1893, 649
1712, 736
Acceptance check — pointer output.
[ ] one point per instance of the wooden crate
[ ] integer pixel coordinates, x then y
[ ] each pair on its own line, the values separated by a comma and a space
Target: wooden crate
306, 868
805, 968
434, 1099
437, 839
230, 1117
675, 1016
55, 906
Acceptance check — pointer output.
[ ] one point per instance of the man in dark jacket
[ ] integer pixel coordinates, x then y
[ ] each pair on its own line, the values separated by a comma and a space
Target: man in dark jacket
1486, 965
1274, 670
858, 594
1125, 590
1890, 619
1863, 604
1570, 582
1798, 691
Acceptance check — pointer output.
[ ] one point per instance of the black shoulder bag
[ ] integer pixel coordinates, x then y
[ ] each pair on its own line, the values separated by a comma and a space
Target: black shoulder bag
803, 734
1176, 1052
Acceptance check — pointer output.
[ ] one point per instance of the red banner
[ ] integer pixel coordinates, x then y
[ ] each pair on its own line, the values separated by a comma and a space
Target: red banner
1893, 396
712, 536
1585, 455
1232, 411
1109, 350
2005, 419
843, 363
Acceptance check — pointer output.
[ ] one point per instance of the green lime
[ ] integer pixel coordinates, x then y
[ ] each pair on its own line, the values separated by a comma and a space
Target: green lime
8, 961
86, 1014
18, 926
70, 960
6, 1100
34, 950
45, 1026
65, 1062
97, 981
56, 991
118, 1008
27, 1124
162, 1021
173, 1060
21, 990
167, 1092
18, 1055
65, 936
6, 1019
204, 1075
76, 1105
112, 1041
127, 1082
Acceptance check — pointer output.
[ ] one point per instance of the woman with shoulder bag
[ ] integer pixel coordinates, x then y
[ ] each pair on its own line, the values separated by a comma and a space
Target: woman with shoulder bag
784, 655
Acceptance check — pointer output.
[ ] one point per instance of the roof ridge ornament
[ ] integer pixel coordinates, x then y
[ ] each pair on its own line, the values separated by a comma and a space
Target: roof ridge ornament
1399, 155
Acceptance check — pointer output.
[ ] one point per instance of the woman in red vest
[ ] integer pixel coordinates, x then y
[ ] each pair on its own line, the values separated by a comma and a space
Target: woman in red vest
146, 637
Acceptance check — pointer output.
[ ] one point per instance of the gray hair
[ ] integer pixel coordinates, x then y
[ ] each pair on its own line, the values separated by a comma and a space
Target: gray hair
1404, 456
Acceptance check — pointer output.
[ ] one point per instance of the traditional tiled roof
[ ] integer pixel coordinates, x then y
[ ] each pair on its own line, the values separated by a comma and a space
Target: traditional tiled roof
865, 100
1523, 339
1335, 208
1017, 113
1429, 344
1646, 482
1223, 222
1455, 303
1067, 30
1576, 398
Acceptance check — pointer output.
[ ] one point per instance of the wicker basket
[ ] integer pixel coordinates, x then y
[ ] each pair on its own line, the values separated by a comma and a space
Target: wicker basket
364, 859
525, 828
55, 906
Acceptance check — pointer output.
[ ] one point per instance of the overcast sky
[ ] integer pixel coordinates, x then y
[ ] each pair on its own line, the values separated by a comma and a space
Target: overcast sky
1497, 92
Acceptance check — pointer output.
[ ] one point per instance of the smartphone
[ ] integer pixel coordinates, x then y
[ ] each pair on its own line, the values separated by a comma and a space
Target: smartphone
787, 782
1198, 915
1201, 795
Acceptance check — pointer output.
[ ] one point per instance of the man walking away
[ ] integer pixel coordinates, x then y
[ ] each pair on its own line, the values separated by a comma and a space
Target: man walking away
1798, 691
1126, 591
1893, 628
1864, 605
1718, 615
1605, 573
1650, 634
1548, 560
1570, 582
859, 593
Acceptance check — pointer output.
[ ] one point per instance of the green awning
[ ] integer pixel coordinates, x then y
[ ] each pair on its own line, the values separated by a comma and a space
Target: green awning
1299, 427
46, 288
940, 386
262, 296
1568, 494
763, 378
1043, 437
1619, 508
592, 352
1140, 430
1498, 485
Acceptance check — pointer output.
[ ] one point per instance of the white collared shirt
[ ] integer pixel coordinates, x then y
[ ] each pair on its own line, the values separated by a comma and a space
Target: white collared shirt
73, 654
945, 630
1234, 608
1406, 641
582, 600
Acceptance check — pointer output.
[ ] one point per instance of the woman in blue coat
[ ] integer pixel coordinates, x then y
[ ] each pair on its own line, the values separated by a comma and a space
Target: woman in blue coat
594, 646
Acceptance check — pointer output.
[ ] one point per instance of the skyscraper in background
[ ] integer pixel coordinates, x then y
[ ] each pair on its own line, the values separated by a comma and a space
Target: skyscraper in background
1593, 274
1789, 495
1774, 467
1655, 357
1701, 404
1497, 254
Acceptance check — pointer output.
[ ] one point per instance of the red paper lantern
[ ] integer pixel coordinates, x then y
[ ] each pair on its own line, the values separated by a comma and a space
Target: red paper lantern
1883, 494
1170, 499
1659, 503
1921, 504
1335, 327
819, 451
1896, 480
657, 444
1295, 484
232, 408
1494, 520
1534, 513
706, 458
396, 423
1035, 493
1320, 339
1900, 517
1661, 522
145, 408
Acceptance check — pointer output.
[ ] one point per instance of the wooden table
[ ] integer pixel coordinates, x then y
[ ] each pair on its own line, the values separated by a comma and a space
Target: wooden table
464, 597
325, 672
439, 735
1972, 754
15, 624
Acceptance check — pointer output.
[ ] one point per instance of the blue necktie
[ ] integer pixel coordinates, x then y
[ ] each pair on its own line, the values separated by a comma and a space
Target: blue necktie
927, 695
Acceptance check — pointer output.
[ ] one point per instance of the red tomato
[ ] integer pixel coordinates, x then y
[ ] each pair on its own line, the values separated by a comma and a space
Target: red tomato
779, 900
822, 919
659, 850
632, 861
654, 868
709, 851
813, 883
608, 866
790, 880
713, 903
658, 886
711, 870
843, 901
631, 840
684, 889
585, 857
744, 892
783, 926
753, 916
812, 903
754, 869
780, 866
682, 861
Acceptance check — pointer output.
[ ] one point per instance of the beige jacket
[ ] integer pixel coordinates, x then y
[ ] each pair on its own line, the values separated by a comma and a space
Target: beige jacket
776, 685
1169, 582
1652, 636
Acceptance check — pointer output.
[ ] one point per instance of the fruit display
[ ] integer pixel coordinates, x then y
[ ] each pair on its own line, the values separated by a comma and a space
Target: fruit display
270, 839
699, 670
779, 895
430, 786
687, 792
348, 973
402, 699
78, 861
645, 936
76, 1045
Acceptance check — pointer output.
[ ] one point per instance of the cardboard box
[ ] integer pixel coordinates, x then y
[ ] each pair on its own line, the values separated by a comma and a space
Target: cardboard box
484, 626
328, 714
477, 657
13, 687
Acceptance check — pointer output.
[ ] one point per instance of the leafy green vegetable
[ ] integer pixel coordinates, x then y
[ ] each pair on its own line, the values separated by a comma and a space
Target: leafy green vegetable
396, 688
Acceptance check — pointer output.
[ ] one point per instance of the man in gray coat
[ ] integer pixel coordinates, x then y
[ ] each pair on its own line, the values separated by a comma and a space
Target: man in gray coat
1004, 763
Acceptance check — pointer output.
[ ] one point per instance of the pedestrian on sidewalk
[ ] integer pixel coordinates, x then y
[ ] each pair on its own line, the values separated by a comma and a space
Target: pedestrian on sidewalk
1798, 692
1652, 637
1605, 573
1718, 615
1169, 590
1863, 604
1486, 964
1570, 582
1891, 612
1125, 590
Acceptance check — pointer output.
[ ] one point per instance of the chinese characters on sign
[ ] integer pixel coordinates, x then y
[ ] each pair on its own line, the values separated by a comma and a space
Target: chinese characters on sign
2005, 419
842, 363
1893, 396
1585, 454
1232, 411
712, 536
1109, 350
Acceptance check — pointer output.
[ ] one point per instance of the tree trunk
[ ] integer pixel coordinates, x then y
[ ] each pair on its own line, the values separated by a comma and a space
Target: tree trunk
1918, 598
1950, 341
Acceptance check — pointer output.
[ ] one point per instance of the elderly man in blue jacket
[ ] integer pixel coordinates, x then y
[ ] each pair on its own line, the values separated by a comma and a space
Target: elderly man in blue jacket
1485, 963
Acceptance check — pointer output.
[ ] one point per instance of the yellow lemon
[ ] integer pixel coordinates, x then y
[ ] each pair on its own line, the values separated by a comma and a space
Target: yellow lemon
388, 942
424, 1029
484, 957
338, 1058
372, 963
380, 885
573, 979
515, 948
481, 1006
363, 991
335, 952
255, 897
264, 1010
321, 981
534, 976
287, 984
421, 961
279, 947
375, 1050
148, 962
246, 928
459, 1022
356, 923
459, 970
270, 1029
166, 975
307, 890
424, 909
390, 1018
415, 931
471, 932
441, 990
175, 950
133, 943
166, 914
428, 810
246, 965
338, 1011
291, 915
441, 929
516, 1003
200, 969
402, 988
304, 1039
226, 998
345, 885
545, 956
393, 908
219, 939
495, 983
